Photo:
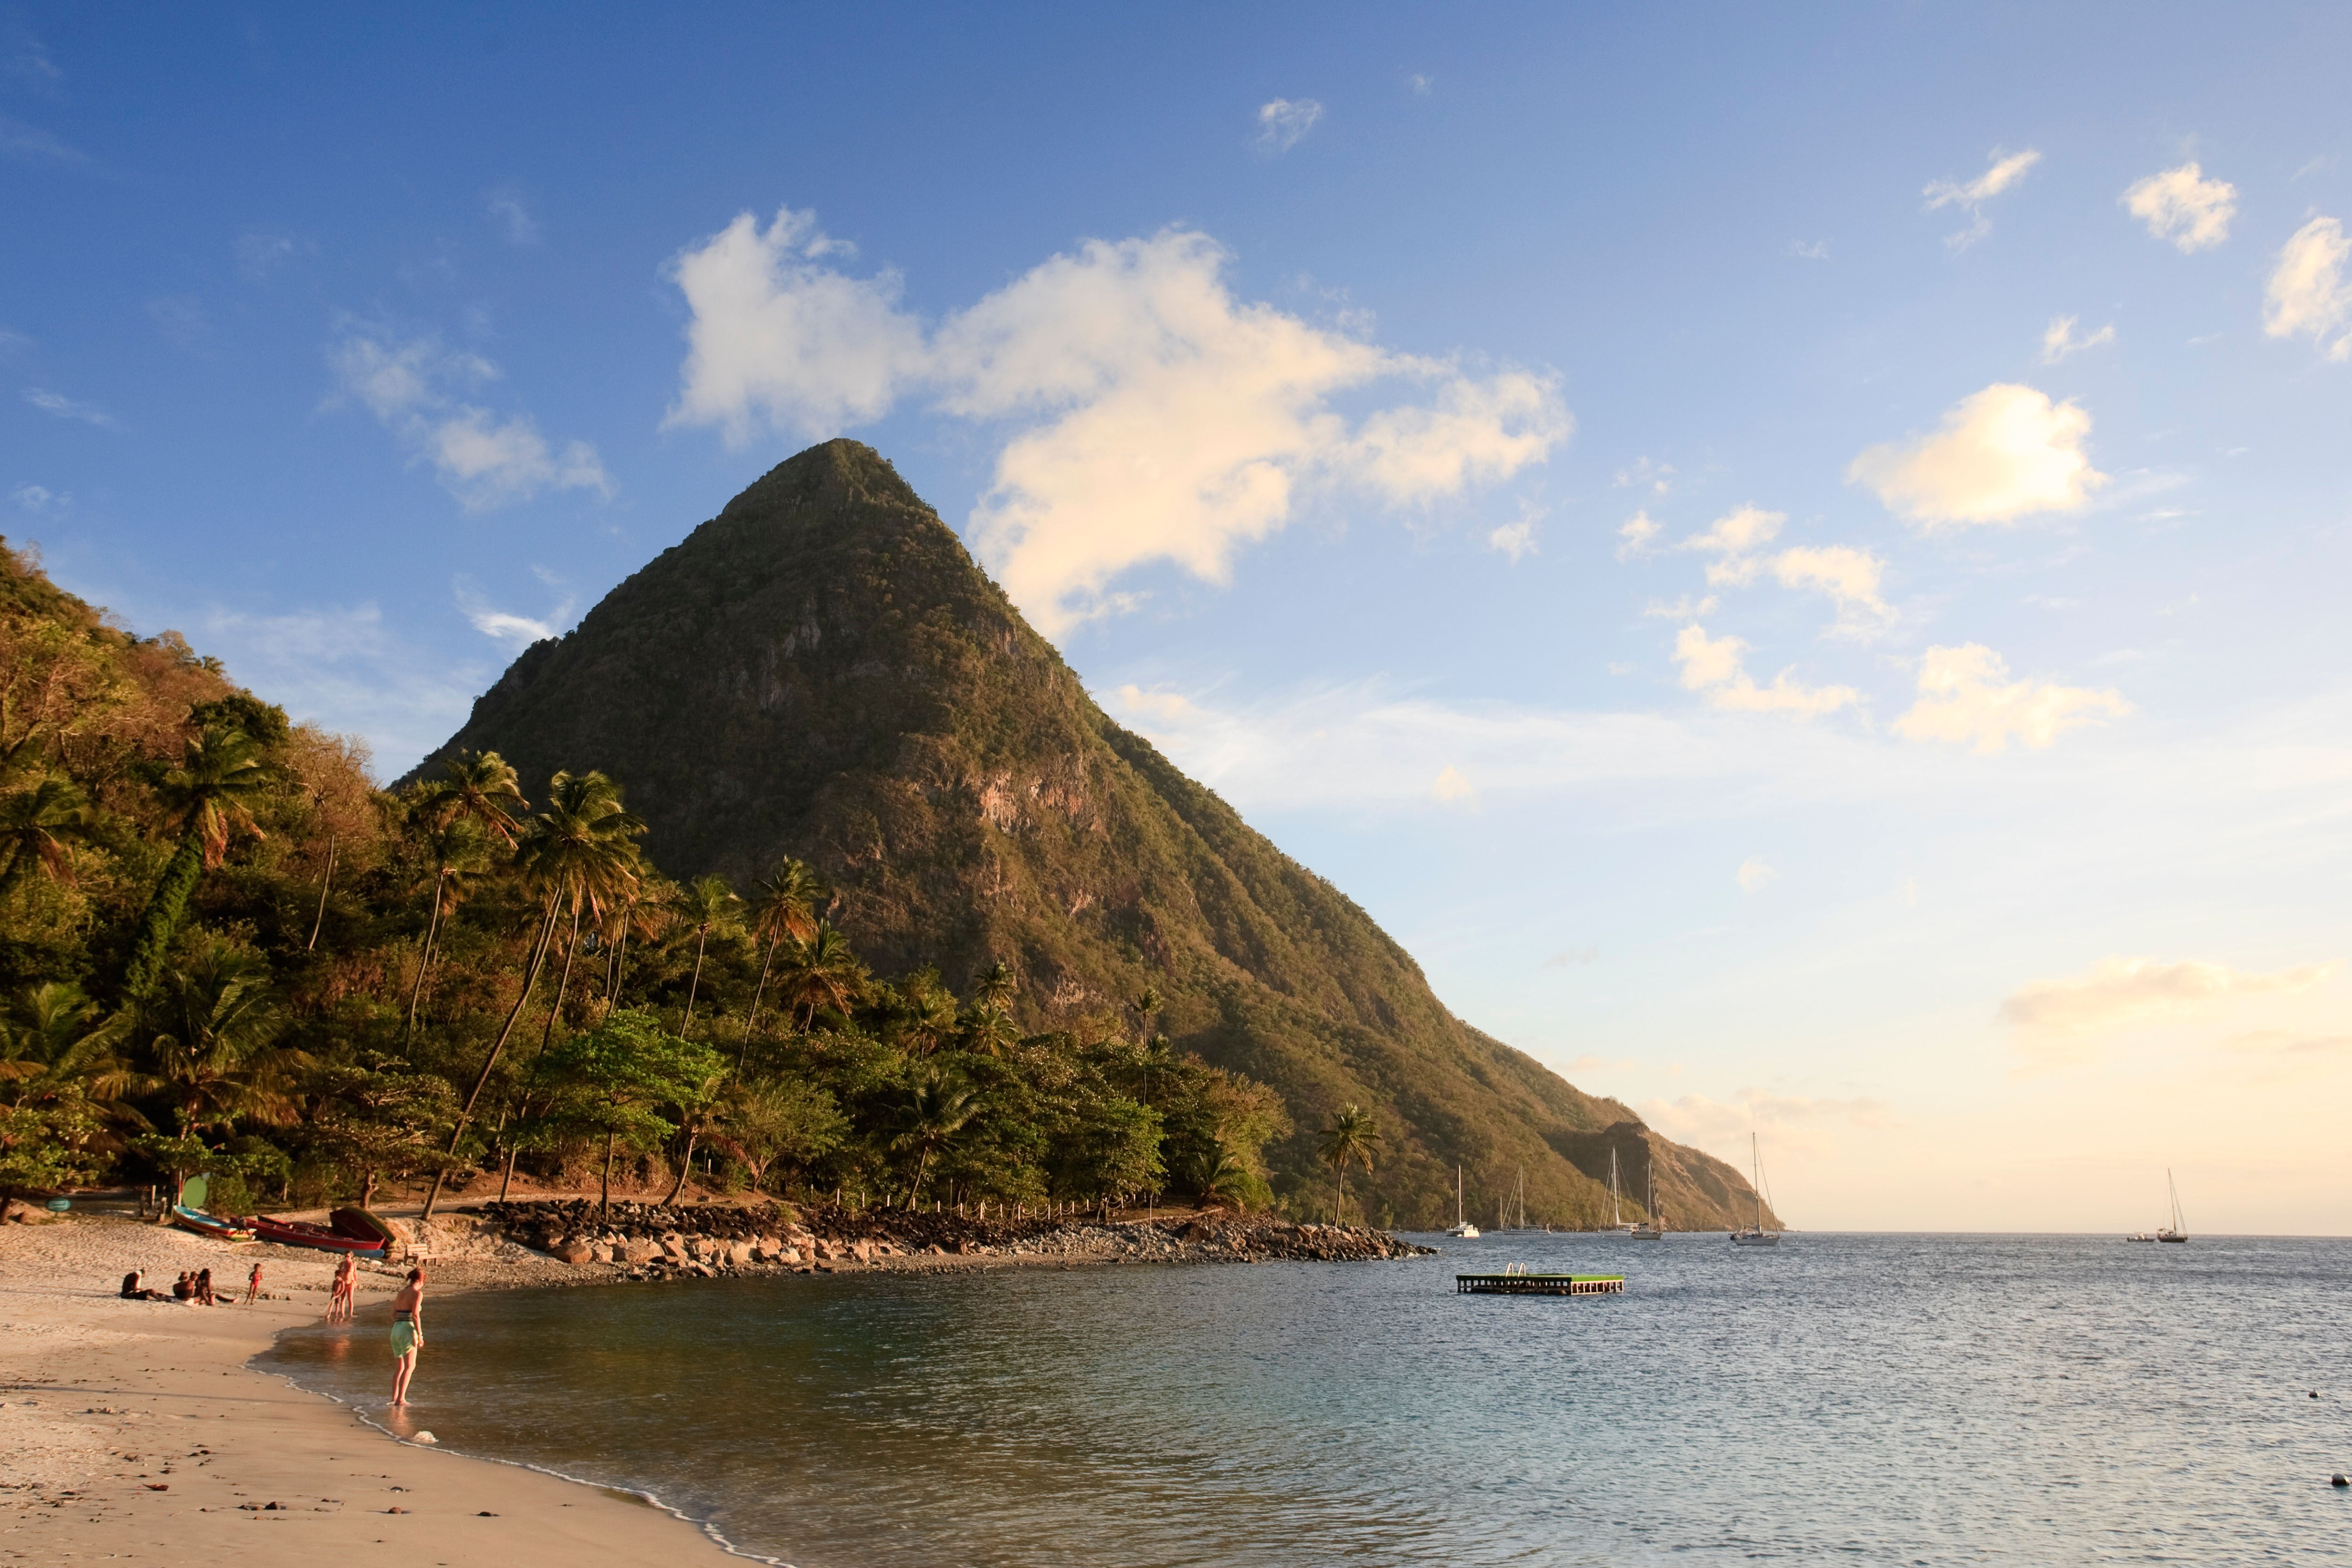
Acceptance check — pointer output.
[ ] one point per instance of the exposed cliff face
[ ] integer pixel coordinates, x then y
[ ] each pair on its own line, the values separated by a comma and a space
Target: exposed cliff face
823, 671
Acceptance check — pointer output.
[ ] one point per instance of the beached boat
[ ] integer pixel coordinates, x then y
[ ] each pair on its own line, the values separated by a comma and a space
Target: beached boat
1755, 1235
1654, 1224
188, 1214
2178, 1230
348, 1230
1462, 1227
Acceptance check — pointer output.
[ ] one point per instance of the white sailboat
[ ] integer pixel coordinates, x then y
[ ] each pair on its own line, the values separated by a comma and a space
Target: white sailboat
1654, 1224
1462, 1227
1755, 1235
1617, 1220
2178, 1230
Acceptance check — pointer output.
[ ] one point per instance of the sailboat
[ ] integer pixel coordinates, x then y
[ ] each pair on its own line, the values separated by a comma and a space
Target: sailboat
1755, 1235
2178, 1230
1462, 1227
1654, 1224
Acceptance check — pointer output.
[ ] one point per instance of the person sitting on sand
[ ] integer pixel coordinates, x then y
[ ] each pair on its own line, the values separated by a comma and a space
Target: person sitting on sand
253, 1285
135, 1288
204, 1297
184, 1287
407, 1333
347, 1281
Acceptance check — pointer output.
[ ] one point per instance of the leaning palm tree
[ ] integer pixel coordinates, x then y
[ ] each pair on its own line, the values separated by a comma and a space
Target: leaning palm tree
704, 905
581, 851
784, 905
821, 971
476, 800
938, 1108
36, 826
212, 794
1351, 1137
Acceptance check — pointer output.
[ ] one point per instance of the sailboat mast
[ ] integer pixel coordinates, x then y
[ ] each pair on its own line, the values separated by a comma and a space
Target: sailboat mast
1756, 1157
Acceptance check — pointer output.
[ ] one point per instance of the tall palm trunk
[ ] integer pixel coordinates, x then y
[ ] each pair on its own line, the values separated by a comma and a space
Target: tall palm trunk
605, 1198
490, 1062
696, 984
325, 883
569, 948
693, 1132
424, 954
753, 1023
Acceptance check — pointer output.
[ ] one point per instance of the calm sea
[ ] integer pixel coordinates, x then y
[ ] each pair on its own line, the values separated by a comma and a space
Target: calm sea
1890, 1398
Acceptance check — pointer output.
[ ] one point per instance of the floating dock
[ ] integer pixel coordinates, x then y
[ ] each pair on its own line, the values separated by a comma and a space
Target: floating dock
1520, 1282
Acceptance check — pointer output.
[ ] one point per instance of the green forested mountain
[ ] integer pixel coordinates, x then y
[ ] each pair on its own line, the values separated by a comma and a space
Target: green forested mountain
822, 672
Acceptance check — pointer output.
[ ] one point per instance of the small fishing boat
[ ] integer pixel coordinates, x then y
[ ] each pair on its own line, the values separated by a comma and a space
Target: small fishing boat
1654, 1224
348, 1230
1462, 1227
188, 1214
2178, 1230
1755, 1235
2139, 1235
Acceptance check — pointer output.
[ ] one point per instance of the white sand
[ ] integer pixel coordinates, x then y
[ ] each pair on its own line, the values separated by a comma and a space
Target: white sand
133, 1430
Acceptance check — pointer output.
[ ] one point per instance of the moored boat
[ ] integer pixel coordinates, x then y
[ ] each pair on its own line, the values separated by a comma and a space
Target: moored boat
188, 1213
298, 1232
1654, 1224
2178, 1231
1755, 1235
1462, 1227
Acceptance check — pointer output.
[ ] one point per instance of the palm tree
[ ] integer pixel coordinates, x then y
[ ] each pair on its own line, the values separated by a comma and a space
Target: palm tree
35, 827
707, 904
1220, 1176
937, 1111
785, 905
476, 800
212, 794
1350, 1138
820, 972
581, 848
993, 986
55, 1043
217, 1024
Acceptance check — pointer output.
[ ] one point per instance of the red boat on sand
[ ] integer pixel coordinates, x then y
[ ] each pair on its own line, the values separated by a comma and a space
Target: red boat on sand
347, 1231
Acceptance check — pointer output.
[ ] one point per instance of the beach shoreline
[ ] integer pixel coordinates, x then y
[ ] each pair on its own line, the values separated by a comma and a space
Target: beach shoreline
141, 1431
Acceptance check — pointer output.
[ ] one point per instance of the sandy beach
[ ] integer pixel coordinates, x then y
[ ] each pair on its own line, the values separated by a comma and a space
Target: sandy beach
135, 1431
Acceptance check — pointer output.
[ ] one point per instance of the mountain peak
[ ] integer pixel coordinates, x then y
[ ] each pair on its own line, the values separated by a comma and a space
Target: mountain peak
823, 671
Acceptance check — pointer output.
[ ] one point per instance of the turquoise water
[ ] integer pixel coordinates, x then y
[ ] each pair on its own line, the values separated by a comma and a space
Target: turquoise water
1888, 1399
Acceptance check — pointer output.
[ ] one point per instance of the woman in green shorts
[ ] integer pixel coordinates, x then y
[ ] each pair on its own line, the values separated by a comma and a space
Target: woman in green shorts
407, 1333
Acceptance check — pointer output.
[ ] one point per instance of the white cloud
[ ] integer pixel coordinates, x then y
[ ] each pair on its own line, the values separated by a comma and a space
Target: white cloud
1282, 121
1965, 697
1848, 575
777, 336
2120, 991
1815, 250
2307, 292
1737, 533
1717, 667
2001, 454
1638, 537
1419, 84
1753, 873
39, 501
1150, 415
65, 407
1516, 539
505, 627
2058, 341
1658, 477
485, 461
1683, 609
1452, 785
1851, 577
31, 144
2183, 207
2006, 171
340, 666
512, 218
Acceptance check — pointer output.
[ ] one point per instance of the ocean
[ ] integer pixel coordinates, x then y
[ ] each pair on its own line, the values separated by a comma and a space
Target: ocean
1895, 1399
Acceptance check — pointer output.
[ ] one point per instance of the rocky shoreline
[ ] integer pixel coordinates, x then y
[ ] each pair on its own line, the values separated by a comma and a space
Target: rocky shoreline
645, 1241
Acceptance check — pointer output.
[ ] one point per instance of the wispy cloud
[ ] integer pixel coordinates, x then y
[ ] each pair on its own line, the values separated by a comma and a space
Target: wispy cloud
2183, 207
65, 407
2053, 1017
2007, 169
512, 219
1810, 249
31, 144
1147, 413
1639, 536
1419, 85
1717, 667
39, 501
1518, 538
2059, 342
181, 319
517, 631
412, 387
1753, 873
1282, 121
260, 255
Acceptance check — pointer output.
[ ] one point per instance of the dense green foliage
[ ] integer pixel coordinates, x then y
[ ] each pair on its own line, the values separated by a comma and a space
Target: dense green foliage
822, 674
222, 949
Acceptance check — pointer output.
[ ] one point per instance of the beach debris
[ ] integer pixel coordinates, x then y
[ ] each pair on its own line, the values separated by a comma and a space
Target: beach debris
2340, 1479
157, 1486
427, 1438
486, 1513
395, 1507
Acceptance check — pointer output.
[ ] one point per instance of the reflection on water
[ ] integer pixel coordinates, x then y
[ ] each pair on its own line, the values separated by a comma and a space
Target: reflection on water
1925, 1400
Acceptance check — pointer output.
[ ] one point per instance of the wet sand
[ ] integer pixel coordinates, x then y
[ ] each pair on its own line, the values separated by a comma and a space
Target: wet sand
134, 1430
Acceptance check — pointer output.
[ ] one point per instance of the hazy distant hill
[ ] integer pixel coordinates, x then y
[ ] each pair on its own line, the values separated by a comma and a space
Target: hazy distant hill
823, 670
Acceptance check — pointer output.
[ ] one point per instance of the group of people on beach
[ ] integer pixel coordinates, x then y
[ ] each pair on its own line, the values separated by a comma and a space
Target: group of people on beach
194, 1287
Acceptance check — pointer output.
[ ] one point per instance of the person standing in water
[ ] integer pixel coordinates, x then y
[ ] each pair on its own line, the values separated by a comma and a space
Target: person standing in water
407, 1333
339, 1300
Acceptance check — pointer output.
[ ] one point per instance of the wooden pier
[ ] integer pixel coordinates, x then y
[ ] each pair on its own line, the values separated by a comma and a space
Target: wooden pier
1518, 1281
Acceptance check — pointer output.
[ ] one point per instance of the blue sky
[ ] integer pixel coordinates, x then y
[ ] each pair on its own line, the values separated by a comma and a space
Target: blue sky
1794, 558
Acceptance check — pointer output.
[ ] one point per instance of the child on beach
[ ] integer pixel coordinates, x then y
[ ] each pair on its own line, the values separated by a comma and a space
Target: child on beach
253, 1286
407, 1333
339, 1300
